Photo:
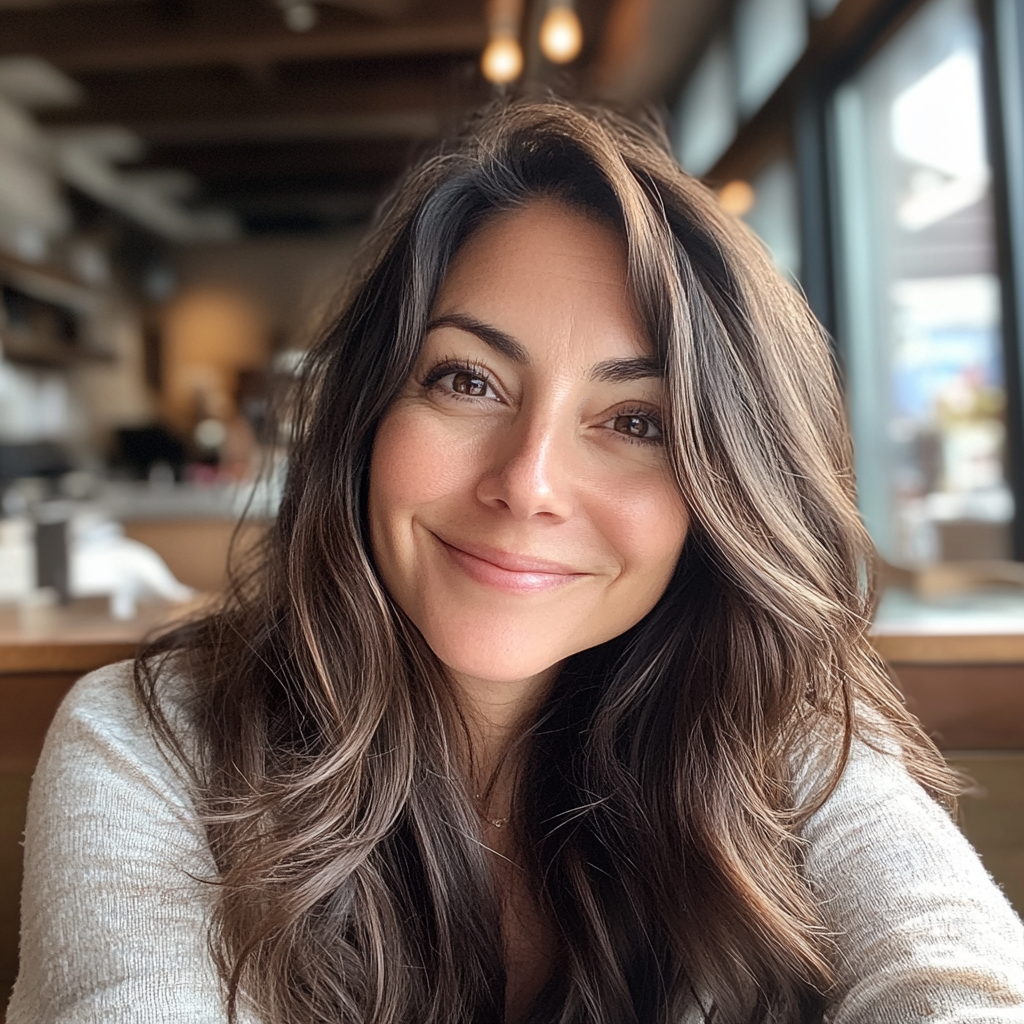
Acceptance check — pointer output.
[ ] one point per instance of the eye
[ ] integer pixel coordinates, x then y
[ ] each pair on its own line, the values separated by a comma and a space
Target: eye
637, 426
469, 384
460, 381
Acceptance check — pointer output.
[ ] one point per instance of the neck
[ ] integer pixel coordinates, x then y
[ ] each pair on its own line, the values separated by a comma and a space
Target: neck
497, 713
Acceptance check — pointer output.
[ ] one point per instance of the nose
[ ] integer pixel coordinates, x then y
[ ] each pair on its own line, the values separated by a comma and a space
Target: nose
530, 473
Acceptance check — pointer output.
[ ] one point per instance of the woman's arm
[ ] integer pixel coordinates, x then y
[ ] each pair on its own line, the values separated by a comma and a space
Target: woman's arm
114, 917
923, 932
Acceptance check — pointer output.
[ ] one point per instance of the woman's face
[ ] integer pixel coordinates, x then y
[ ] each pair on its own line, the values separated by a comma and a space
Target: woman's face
521, 503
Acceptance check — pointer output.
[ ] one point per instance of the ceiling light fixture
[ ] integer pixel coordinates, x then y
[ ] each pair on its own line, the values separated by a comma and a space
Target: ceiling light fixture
502, 59
737, 197
561, 36
298, 15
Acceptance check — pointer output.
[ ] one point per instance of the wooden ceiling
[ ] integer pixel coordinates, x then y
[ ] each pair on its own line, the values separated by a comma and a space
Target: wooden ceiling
288, 130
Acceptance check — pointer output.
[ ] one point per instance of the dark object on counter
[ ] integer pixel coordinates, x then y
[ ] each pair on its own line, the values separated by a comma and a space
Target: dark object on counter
138, 448
33, 459
52, 561
253, 395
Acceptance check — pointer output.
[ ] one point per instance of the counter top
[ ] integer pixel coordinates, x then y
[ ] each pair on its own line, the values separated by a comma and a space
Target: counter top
131, 501
82, 635
907, 648
985, 627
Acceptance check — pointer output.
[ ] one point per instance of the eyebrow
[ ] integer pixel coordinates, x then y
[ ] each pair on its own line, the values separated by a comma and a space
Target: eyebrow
609, 371
498, 340
621, 371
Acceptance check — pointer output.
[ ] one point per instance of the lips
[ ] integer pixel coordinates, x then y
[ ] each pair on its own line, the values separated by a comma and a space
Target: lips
506, 571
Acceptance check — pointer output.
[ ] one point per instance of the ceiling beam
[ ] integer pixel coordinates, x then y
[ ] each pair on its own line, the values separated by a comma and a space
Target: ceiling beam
138, 37
406, 124
319, 160
271, 47
388, 99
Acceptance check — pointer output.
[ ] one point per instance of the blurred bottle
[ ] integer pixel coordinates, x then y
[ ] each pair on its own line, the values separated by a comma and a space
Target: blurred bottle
52, 562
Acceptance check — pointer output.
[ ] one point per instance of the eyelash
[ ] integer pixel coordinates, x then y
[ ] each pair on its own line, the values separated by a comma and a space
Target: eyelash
642, 414
448, 367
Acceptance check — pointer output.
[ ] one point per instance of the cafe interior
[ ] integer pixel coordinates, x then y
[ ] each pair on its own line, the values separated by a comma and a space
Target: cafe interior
184, 185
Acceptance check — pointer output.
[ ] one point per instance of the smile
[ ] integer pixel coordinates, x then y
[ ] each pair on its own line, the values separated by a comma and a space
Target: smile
517, 574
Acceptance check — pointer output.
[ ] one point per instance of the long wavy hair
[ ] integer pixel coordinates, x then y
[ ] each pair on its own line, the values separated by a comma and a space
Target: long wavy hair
655, 805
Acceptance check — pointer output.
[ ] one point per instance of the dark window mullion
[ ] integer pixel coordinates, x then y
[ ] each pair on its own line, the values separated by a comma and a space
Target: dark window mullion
1003, 65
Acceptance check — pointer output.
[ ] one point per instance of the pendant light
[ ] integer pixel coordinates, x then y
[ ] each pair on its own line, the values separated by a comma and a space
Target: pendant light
502, 59
561, 36
737, 197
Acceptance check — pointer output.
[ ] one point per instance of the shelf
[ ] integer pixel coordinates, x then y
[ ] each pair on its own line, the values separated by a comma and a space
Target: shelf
47, 285
44, 318
22, 348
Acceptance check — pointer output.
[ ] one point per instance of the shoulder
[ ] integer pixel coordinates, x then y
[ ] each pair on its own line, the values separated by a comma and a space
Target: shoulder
109, 697
876, 800
879, 815
117, 897
102, 762
921, 930
103, 710
105, 788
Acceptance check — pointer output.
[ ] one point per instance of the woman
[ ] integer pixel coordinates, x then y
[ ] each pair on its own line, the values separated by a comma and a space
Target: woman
551, 699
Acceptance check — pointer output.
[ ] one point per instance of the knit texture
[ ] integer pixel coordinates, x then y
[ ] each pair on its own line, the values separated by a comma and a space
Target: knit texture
117, 897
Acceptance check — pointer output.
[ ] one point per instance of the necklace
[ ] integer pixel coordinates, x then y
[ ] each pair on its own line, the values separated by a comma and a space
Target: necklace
495, 822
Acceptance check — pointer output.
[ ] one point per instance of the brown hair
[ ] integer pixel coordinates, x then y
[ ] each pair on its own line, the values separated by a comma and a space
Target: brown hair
656, 801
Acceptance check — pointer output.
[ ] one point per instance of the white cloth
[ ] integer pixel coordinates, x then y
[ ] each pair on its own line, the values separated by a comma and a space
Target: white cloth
102, 561
114, 912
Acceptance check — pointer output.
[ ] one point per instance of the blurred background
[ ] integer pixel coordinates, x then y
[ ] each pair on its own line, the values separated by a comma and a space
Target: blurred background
183, 184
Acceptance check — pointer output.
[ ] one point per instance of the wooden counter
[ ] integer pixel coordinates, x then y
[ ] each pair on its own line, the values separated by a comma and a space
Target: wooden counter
78, 638
960, 664
965, 684
967, 689
44, 650
951, 649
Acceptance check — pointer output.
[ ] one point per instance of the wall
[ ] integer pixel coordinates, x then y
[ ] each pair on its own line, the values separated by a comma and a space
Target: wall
292, 278
236, 304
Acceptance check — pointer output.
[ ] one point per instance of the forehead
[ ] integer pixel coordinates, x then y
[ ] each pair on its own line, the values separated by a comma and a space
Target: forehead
555, 280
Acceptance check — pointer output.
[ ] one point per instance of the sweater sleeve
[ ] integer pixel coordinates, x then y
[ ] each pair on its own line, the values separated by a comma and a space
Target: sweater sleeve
923, 932
116, 896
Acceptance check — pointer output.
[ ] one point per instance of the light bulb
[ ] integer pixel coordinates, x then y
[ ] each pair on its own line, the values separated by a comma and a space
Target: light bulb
300, 17
737, 197
502, 60
561, 37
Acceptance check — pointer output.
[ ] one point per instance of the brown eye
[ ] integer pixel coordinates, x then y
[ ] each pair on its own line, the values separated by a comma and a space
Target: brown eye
468, 384
635, 426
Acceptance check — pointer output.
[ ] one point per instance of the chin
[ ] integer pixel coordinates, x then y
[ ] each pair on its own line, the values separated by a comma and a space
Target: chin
494, 670
502, 658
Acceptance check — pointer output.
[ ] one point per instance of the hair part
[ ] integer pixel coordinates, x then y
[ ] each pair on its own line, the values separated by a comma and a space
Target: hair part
656, 802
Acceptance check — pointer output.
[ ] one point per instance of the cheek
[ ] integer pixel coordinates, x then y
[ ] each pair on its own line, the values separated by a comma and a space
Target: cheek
415, 462
646, 522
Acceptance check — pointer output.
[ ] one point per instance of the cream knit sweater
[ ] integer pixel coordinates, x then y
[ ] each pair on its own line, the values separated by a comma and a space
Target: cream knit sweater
114, 916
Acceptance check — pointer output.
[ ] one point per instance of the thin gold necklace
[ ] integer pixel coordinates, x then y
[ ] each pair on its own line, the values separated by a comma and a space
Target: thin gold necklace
496, 822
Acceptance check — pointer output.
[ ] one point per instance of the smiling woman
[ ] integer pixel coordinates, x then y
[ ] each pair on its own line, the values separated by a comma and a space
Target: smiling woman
550, 699
532, 466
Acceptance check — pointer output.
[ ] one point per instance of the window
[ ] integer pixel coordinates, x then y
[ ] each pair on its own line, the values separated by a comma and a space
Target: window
707, 110
775, 215
770, 36
919, 294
